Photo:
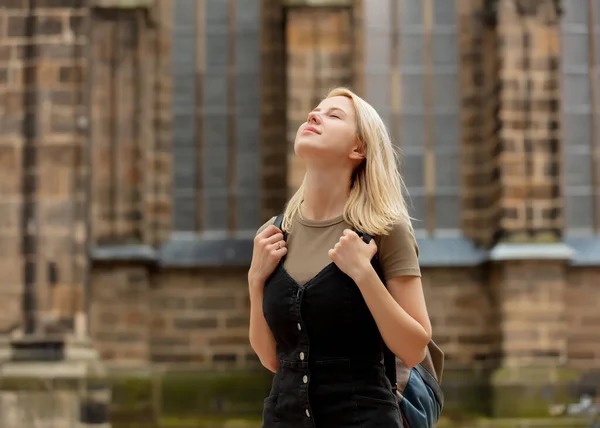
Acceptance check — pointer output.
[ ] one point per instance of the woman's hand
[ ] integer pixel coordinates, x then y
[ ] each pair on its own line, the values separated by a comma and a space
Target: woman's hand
352, 255
269, 248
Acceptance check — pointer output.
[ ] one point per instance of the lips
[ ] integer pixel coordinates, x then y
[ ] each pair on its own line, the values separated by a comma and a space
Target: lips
311, 129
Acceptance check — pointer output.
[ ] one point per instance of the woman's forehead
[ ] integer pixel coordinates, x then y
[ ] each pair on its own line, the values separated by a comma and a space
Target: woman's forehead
340, 102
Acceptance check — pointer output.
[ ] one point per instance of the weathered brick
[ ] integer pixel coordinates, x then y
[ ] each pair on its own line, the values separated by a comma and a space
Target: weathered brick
48, 25
16, 26
193, 324
224, 358
215, 303
60, 3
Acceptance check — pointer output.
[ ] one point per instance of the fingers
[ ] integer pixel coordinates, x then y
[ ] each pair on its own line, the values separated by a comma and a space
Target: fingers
273, 239
275, 246
277, 250
269, 231
349, 233
272, 229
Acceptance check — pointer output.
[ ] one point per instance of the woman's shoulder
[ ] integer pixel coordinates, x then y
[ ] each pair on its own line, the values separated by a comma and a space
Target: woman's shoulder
400, 230
399, 251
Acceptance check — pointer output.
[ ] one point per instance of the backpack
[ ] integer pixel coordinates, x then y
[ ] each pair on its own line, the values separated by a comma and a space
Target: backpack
418, 390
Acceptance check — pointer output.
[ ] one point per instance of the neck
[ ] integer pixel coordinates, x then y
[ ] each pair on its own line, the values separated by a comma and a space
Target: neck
325, 193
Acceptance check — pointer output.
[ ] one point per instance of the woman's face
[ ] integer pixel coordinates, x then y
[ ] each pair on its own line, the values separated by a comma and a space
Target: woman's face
329, 134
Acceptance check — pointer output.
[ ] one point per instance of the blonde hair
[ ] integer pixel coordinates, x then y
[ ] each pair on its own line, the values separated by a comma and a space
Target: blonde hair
376, 200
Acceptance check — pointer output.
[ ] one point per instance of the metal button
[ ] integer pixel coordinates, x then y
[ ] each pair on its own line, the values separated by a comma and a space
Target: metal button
305, 379
299, 327
302, 356
307, 413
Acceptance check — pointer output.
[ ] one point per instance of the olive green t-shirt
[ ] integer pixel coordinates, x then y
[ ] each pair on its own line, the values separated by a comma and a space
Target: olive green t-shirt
310, 241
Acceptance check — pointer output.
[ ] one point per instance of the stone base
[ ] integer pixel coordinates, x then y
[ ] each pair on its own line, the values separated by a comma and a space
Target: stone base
56, 383
466, 391
529, 392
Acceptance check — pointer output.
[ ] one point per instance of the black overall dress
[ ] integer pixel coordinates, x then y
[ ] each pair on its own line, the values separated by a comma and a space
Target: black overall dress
331, 373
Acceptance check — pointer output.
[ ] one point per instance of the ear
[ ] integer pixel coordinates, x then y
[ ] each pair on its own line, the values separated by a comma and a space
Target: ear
358, 152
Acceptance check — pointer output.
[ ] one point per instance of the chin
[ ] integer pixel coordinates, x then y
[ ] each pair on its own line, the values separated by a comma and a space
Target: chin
307, 149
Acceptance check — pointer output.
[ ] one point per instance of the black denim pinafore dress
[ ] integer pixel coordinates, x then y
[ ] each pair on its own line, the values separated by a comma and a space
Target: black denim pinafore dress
331, 372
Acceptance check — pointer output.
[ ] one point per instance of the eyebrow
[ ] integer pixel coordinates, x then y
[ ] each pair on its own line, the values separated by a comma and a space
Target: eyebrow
331, 109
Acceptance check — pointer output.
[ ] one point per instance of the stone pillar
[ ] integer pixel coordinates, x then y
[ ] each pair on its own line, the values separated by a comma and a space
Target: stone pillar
530, 272
528, 35
43, 137
529, 282
12, 116
479, 83
273, 145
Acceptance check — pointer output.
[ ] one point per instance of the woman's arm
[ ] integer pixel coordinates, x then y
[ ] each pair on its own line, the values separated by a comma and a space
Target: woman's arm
261, 338
400, 313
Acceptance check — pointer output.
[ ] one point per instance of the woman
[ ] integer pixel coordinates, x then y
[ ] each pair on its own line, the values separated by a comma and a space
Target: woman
320, 312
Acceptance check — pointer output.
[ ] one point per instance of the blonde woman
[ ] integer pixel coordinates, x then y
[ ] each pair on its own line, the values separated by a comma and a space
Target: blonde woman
320, 312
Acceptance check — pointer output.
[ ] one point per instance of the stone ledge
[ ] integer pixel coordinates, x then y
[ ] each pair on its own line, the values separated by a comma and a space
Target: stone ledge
192, 250
449, 252
550, 251
587, 250
122, 4
317, 3
124, 253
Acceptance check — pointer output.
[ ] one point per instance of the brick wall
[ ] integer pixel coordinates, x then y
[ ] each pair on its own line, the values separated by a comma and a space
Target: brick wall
200, 317
120, 316
531, 308
582, 300
175, 317
462, 308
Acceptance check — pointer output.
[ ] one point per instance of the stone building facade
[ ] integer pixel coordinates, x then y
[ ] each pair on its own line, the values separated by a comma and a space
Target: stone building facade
142, 142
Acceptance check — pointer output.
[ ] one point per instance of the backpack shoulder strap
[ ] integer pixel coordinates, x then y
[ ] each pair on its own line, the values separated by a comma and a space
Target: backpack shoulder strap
278, 221
366, 237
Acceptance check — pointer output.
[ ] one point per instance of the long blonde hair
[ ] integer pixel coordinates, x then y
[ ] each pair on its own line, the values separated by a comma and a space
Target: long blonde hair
376, 201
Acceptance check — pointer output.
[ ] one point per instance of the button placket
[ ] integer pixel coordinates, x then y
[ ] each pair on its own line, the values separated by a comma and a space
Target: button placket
304, 347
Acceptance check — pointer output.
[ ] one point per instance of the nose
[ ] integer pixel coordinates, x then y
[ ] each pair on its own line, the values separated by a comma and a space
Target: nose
314, 117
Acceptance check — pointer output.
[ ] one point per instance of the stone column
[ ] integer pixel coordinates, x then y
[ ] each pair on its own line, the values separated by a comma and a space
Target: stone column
530, 261
42, 144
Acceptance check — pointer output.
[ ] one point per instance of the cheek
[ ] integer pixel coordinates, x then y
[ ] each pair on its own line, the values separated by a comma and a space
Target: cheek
345, 137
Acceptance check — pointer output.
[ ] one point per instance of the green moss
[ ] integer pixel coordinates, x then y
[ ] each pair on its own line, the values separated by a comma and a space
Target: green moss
528, 393
210, 393
17, 383
515, 423
466, 393
443, 423
172, 396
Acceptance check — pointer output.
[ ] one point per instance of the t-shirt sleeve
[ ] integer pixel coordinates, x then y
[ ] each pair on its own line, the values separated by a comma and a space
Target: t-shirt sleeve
399, 253
267, 224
